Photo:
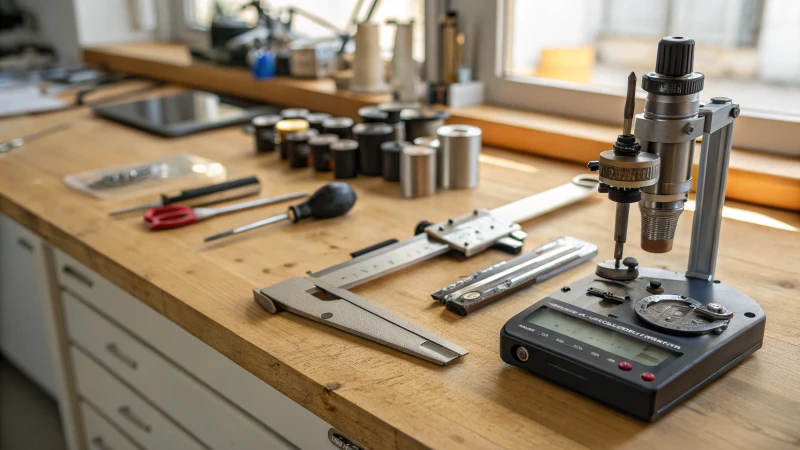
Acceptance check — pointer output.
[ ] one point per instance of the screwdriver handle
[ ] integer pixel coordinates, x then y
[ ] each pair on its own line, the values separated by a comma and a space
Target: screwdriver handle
189, 194
332, 200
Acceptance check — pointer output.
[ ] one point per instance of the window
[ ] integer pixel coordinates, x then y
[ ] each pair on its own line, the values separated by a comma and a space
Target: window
198, 14
572, 57
607, 39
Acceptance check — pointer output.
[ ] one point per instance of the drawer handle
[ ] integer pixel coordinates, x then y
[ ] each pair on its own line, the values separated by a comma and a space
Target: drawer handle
125, 411
100, 443
25, 244
77, 275
127, 360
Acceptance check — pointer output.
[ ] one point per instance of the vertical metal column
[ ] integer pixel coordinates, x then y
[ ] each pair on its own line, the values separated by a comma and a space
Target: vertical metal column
711, 183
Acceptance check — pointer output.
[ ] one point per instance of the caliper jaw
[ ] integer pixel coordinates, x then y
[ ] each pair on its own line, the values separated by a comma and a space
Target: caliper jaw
473, 233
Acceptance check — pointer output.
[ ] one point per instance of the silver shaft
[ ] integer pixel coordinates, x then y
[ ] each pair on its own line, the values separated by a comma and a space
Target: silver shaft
248, 227
154, 204
621, 230
204, 213
19, 142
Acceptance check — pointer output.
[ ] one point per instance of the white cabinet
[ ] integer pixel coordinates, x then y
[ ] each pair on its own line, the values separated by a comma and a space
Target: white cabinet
126, 376
26, 335
208, 395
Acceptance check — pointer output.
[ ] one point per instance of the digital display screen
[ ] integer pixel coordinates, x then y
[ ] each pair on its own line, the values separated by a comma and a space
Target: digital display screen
611, 341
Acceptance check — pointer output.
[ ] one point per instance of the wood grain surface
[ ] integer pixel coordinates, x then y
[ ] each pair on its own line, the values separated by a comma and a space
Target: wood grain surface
757, 178
382, 397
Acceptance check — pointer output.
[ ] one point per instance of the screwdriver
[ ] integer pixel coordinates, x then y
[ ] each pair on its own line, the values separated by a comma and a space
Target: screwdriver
331, 200
215, 193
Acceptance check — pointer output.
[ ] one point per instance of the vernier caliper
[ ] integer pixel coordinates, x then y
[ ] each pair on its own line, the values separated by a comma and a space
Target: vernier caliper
323, 296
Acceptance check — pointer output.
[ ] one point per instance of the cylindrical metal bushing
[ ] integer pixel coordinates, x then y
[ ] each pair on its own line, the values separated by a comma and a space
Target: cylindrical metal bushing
459, 150
286, 127
264, 127
417, 171
422, 123
315, 121
345, 158
294, 113
321, 151
393, 111
371, 114
298, 148
391, 159
340, 126
370, 136
428, 141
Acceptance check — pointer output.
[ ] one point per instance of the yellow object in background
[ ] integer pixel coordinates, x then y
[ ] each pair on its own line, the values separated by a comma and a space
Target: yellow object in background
568, 64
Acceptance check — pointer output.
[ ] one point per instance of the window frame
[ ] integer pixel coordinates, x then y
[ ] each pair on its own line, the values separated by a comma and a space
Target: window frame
755, 130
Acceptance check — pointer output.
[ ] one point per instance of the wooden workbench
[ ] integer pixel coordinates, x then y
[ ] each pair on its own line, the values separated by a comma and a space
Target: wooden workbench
381, 397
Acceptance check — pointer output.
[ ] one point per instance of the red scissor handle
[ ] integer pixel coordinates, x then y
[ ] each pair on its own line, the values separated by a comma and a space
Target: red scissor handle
170, 216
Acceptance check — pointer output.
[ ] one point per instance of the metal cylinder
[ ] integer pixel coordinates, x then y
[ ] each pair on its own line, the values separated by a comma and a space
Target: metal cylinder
264, 127
417, 171
345, 158
394, 112
315, 121
662, 203
459, 150
391, 159
294, 113
370, 136
321, 151
298, 149
340, 126
286, 127
422, 123
428, 141
371, 114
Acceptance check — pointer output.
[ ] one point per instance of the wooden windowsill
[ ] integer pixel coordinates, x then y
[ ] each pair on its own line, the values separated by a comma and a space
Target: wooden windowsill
770, 180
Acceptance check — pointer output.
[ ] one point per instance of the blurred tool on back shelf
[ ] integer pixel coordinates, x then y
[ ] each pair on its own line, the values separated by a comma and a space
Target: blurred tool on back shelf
642, 340
323, 296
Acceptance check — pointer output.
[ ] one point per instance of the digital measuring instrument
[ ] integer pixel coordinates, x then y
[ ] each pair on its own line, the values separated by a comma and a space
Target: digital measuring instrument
639, 339
624, 345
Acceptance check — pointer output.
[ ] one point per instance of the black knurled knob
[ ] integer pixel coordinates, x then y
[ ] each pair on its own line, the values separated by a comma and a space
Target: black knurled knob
675, 56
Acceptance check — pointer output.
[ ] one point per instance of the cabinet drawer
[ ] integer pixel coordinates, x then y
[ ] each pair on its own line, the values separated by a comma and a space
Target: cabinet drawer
101, 435
202, 412
279, 413
84, 282
125, 408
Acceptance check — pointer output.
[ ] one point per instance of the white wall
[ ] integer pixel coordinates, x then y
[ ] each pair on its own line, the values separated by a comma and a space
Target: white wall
104, 22
779, 42
70, 25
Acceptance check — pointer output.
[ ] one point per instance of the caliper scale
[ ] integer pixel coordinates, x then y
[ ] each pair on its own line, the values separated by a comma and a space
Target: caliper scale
323, 296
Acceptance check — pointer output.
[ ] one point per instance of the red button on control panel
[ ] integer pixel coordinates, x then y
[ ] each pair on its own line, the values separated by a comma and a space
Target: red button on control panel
647, 376
625, 365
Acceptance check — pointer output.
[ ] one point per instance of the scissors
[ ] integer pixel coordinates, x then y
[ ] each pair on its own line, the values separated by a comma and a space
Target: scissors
174, 216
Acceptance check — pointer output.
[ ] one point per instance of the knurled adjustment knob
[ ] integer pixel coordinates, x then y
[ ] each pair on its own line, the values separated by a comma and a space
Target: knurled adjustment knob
674, 74
675, 56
